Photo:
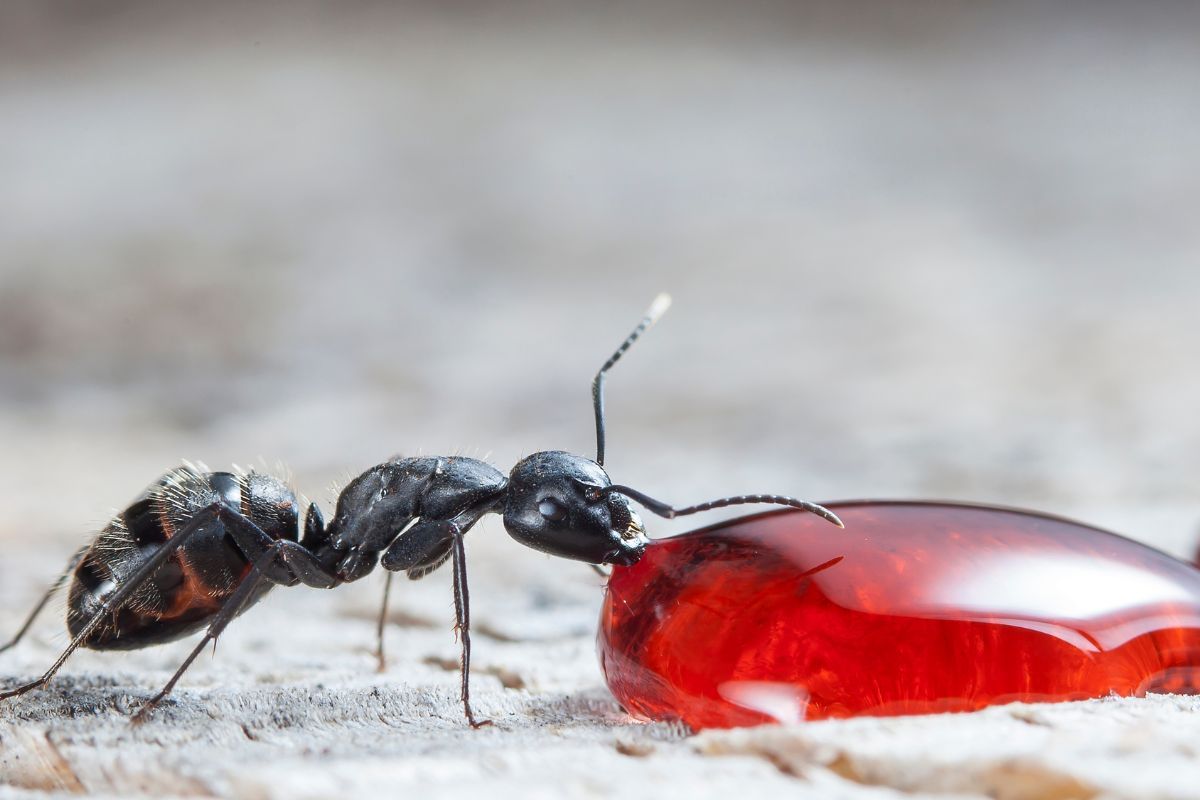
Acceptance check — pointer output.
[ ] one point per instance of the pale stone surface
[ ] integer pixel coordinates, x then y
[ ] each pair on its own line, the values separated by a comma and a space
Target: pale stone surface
1116, 746
939, 251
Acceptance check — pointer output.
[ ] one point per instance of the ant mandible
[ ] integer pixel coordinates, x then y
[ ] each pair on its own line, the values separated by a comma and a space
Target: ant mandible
198, 548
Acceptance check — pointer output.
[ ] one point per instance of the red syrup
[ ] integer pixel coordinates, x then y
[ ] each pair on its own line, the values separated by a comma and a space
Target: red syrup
915, 608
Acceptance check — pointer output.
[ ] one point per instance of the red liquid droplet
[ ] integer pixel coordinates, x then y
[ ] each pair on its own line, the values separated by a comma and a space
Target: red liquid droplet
914, 608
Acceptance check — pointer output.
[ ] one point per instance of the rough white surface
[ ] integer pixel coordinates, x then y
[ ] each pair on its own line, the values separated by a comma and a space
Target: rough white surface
928, 250
1117, 746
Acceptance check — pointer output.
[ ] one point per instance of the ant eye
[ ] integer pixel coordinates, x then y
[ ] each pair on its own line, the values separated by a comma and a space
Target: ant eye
552, 510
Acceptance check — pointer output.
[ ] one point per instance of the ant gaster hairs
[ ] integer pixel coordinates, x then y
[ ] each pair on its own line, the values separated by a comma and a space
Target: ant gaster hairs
198, 548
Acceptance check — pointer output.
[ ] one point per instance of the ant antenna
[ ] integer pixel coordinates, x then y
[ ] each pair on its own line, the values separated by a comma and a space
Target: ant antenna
656, 310
664, 510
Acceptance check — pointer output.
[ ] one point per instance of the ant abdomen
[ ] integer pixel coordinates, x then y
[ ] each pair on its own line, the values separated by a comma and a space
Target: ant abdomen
191, 586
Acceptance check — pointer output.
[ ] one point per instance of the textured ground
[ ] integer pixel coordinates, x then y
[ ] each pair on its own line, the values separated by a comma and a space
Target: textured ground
930, 251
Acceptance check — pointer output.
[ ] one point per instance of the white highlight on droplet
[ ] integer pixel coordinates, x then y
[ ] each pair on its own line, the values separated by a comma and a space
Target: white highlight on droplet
785, 703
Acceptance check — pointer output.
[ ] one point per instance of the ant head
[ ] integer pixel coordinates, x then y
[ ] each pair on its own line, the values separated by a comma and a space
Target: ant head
555, 505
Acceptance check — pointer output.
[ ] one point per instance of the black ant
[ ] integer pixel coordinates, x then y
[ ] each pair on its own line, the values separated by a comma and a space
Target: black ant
198, 548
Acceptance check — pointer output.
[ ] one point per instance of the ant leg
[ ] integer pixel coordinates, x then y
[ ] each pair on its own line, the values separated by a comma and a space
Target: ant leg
293, 563
418, 555
117, 600
413, 548
424, 543
53, 590
299, 564
230, 609
419, 550
383, 608
302, 565
431, 564
462, 612
601, 571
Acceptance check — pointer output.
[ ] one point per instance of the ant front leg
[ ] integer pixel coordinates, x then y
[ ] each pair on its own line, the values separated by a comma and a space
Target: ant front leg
380, 657
462, 610
429, 562
418, 544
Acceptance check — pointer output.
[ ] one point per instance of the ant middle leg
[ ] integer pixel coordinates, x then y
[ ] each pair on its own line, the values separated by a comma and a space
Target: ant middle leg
279, 561
230, 609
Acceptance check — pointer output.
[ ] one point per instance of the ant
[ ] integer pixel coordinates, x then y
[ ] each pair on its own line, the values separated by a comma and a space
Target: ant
198, 548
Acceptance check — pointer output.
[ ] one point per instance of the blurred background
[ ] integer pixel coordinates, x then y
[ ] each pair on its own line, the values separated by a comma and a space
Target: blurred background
921, 249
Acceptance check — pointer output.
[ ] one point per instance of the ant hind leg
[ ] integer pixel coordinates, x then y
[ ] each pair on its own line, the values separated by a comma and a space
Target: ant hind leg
119, 598
41, 604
